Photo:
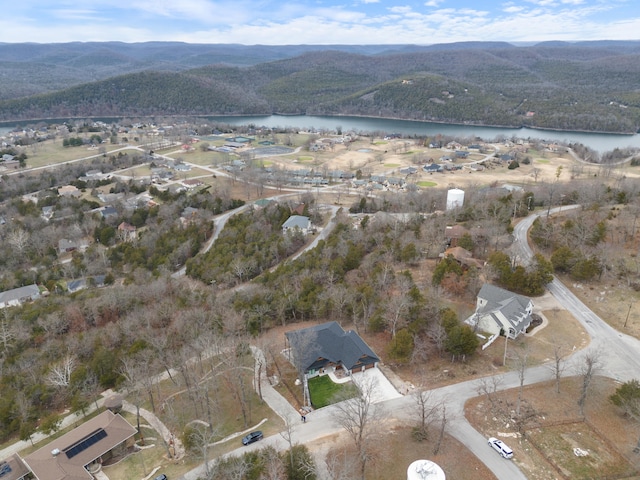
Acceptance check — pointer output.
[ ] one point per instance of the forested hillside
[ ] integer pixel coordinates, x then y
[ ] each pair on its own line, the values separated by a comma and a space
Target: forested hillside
590, 87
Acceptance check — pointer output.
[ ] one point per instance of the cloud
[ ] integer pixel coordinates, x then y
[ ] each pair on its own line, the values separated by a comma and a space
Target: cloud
400, 9
361, 22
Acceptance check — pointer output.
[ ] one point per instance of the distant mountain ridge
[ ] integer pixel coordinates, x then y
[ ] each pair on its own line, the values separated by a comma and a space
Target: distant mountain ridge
588, 86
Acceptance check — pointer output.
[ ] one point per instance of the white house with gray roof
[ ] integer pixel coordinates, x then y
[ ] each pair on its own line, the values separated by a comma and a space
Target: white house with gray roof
18, 296
499, 311
297, 223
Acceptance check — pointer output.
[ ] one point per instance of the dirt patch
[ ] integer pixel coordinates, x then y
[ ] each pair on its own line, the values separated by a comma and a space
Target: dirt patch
616, 303
544, 447
397, 450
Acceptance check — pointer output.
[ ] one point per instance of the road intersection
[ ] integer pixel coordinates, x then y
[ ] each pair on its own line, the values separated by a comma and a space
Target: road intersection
619, 355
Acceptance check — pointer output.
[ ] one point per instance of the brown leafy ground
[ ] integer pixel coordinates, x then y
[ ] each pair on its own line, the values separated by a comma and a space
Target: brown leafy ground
397, 447
545, 451
397, 450
559, 328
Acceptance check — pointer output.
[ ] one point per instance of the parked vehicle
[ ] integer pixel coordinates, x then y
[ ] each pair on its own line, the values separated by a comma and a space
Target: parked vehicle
501, 447
4, 468
252, 437
161, 477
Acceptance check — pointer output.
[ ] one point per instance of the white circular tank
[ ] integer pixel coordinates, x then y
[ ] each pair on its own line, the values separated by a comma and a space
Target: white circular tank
455, 198
425, 470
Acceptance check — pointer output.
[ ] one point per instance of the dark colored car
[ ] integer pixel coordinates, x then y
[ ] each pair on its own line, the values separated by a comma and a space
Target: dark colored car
161, 477
252, 437
4, 468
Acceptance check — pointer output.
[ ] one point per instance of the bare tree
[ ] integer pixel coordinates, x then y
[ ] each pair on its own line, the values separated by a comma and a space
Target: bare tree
287, 435
273, 467
443, 426
339, 465
19, 238
558, 365
202, 439
362, 421
131, 372
586, 371
488, 386
397, 306
60, 373
234, 377
426, 409
7, 333
55, 323
521, 368
535, 173
438, 336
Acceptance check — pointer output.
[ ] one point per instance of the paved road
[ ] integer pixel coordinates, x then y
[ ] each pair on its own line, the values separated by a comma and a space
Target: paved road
619, 353
619, 356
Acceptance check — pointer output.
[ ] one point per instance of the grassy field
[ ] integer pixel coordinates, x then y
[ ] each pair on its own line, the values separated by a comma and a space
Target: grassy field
323, 390
52, 152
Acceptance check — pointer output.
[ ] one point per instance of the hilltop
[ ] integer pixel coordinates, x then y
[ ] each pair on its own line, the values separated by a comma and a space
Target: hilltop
590, 86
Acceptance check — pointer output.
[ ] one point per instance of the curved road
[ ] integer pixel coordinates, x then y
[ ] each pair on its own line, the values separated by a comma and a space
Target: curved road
619, 353
619, 357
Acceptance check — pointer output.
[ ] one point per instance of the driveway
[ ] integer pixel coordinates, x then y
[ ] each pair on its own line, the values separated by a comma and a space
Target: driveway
384, 390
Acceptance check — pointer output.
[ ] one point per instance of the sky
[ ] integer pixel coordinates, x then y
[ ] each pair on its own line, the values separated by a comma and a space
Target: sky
319, 22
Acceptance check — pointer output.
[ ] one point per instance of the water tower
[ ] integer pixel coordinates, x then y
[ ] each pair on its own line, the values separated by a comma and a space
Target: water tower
455, 198
425, 470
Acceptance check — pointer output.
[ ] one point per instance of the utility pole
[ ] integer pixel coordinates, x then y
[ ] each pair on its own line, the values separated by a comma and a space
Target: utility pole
628, 312
506, 341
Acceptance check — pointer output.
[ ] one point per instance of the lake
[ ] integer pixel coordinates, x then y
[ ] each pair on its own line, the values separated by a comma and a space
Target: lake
600, 142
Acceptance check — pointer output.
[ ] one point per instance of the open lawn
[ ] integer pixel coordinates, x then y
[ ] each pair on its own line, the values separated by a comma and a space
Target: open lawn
323, 391
51, 152
198, 157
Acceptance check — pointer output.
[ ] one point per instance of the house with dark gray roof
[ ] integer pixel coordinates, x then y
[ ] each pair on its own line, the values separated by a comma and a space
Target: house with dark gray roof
327, 347
501, 312
433, 167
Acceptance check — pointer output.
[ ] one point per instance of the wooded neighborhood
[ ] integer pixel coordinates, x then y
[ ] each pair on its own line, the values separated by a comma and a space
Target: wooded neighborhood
220, 297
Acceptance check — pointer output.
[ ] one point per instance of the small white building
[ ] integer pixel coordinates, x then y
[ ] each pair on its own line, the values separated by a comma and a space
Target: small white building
455, 198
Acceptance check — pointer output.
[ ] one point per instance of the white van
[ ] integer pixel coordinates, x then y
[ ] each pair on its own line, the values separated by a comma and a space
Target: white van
500, 447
